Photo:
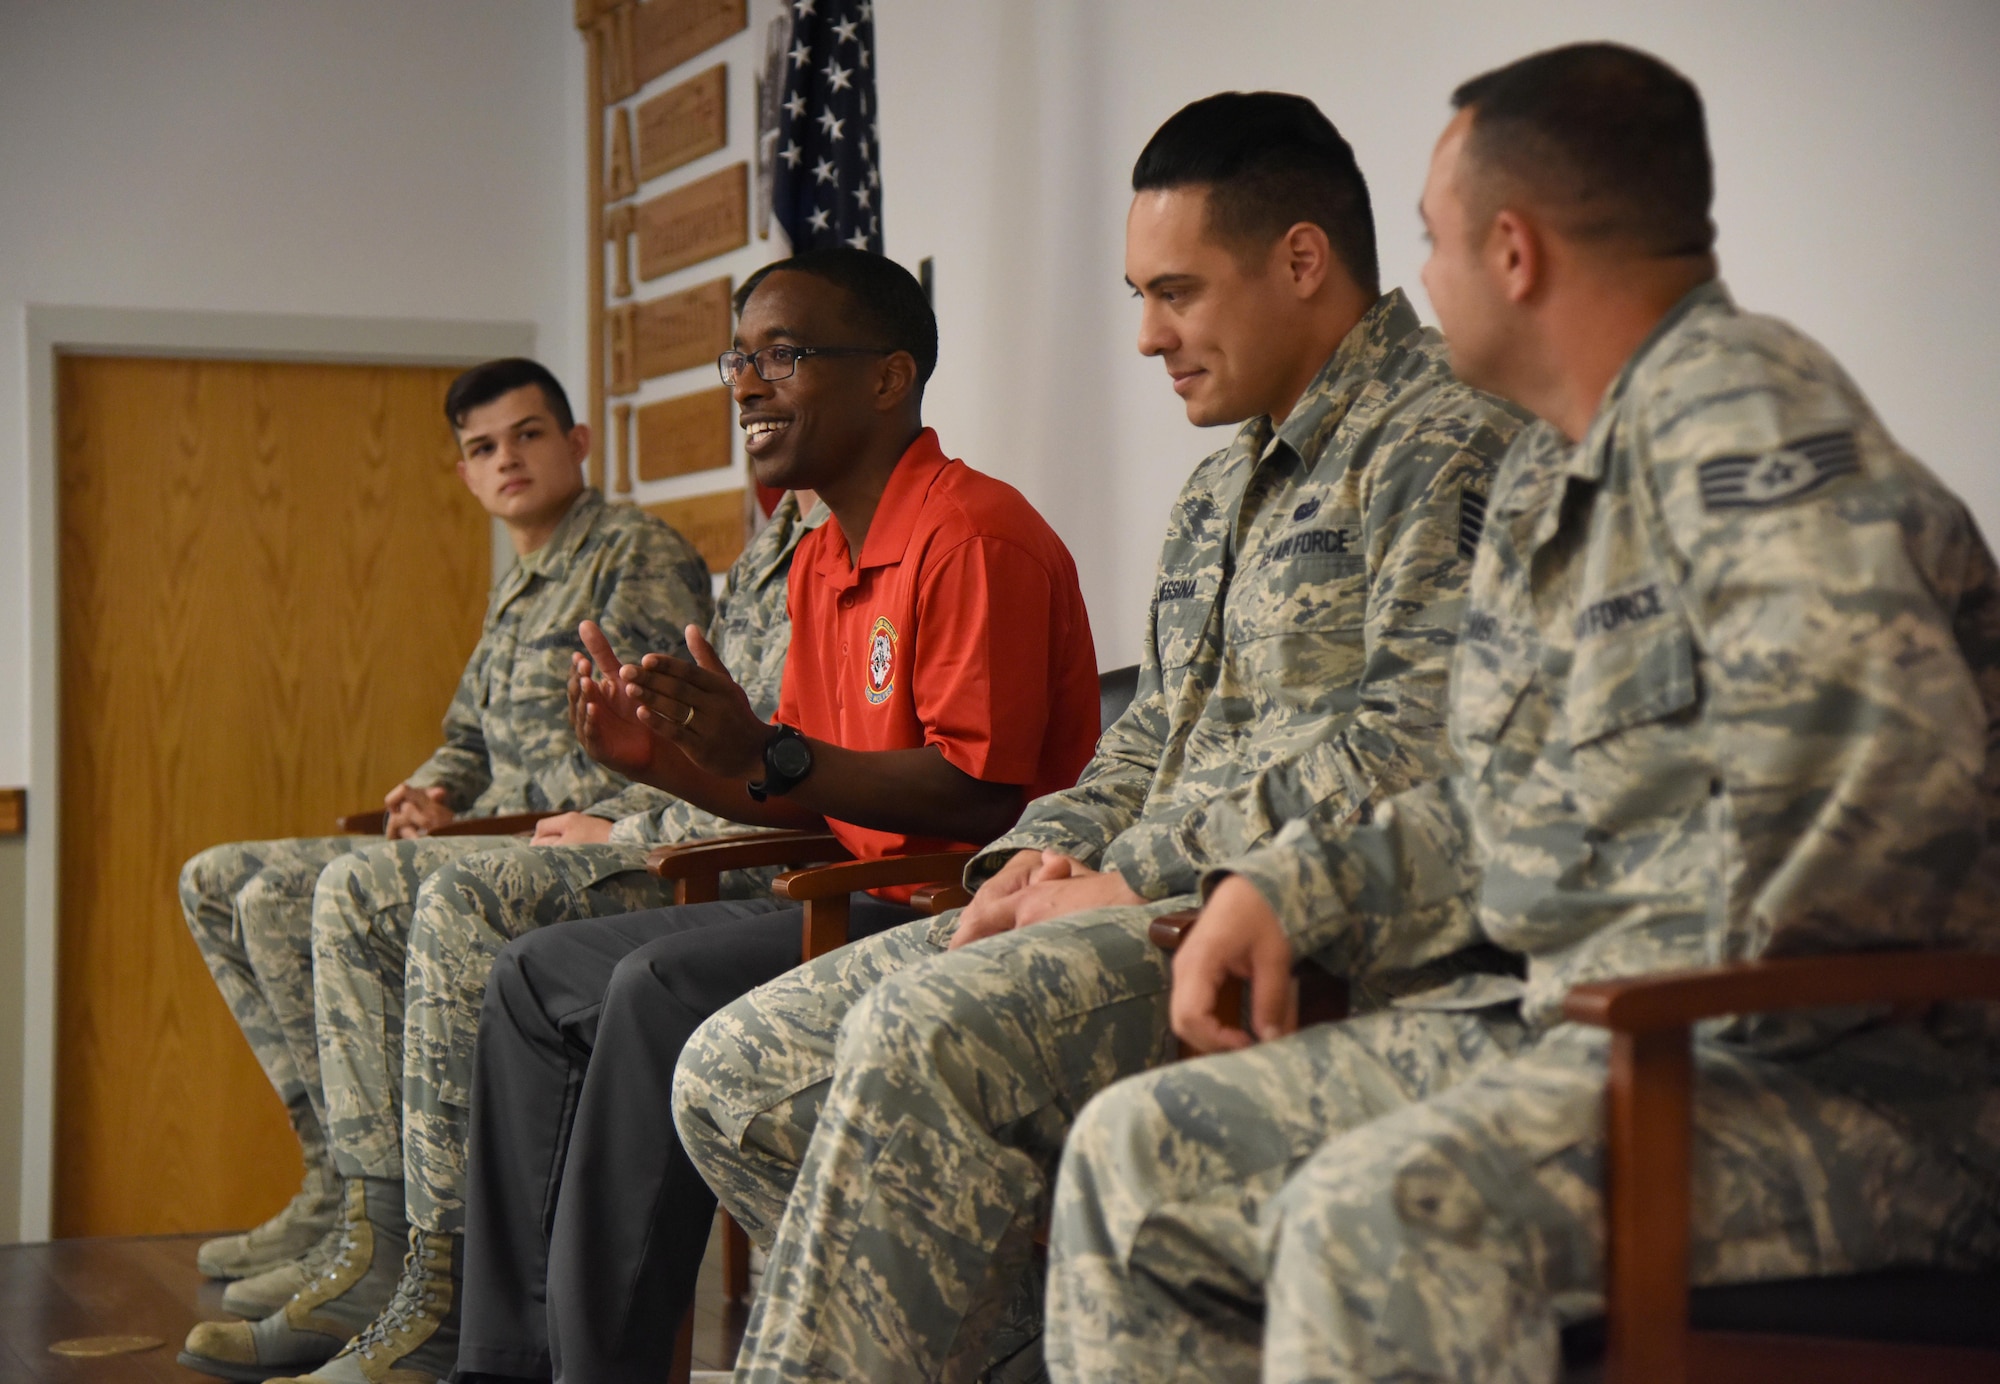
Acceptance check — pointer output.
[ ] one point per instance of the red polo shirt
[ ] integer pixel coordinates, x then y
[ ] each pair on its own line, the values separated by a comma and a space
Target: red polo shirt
962, 626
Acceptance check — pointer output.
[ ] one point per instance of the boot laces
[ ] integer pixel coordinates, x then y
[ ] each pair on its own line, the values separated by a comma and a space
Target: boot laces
414, 1293
328, 1255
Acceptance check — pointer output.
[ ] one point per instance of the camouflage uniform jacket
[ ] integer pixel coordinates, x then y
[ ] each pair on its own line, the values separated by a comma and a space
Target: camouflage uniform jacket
508, 746
1298, 644
751, 632
1727, 689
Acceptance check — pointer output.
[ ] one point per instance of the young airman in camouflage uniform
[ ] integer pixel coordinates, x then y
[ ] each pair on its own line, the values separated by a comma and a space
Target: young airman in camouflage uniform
1295, 663
508, 748
398, 1022
1726, 690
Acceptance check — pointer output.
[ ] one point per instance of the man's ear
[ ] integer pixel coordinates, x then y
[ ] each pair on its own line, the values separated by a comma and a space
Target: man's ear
1516, 255
579, 443
895, 381
1307, 257
461, 468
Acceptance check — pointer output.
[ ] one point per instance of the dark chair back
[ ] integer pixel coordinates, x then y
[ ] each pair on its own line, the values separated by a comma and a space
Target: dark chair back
1114, 694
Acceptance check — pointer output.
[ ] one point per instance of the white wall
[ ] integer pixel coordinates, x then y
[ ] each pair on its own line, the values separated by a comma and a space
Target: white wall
1857, 145
366, 160
350, 157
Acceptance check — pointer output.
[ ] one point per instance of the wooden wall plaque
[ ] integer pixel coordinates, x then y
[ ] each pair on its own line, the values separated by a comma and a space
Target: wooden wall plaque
666, 33
683, 123
692, 223
713, 523
684, 434
684, 330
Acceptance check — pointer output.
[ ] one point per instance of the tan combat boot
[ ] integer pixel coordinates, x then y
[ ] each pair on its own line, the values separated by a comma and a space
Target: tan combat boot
263, 1293
306, 1218
415, 1339
349, 1284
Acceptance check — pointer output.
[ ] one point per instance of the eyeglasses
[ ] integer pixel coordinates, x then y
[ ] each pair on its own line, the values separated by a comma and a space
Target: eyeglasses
782, 362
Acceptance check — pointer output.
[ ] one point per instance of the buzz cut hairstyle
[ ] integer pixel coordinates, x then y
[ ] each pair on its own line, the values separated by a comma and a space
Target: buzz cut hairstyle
889, 306
1268, 160
482, 384
1609, 142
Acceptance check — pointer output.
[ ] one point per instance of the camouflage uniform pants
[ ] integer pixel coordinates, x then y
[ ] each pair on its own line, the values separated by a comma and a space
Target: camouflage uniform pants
361, 915
249, 907
919, 1099
1415, 1196
404, 948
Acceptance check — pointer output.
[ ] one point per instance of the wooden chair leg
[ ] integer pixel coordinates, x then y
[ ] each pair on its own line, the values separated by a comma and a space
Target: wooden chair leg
735, 1261
1649, 1145
682, 1368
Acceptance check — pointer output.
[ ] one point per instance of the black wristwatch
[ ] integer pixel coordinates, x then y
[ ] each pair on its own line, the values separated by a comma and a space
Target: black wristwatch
788, 758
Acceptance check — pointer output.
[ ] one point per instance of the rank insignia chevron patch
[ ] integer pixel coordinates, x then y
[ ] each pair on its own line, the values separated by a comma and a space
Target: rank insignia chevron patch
1769, 478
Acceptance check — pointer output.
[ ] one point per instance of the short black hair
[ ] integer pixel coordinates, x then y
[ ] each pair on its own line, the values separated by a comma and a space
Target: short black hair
482, 384
1610, 140
889, 304
1269, 161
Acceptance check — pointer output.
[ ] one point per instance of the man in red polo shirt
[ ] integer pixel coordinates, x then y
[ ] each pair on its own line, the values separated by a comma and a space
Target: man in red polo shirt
940, 676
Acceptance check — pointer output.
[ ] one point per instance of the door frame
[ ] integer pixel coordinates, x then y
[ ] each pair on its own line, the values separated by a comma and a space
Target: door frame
99, 331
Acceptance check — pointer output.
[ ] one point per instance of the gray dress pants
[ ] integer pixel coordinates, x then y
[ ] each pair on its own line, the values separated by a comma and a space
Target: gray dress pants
585, 1221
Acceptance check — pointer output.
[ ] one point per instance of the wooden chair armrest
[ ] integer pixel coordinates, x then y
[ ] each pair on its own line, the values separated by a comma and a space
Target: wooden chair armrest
940, 898
742, 851
362, 823
1169, 930
1649, 1115
826, 881
510, 824
1680, 999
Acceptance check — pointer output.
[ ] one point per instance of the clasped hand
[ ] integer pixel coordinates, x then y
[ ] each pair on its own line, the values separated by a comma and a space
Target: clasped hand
624, 713
1034, 887
414, 811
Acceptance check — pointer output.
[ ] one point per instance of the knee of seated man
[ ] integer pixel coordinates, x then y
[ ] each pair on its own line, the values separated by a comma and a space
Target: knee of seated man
270, 894
341, 877
207, 873
511, 979
917, 1022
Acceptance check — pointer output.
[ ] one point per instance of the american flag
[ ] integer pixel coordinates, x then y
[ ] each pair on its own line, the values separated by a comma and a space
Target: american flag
827, 182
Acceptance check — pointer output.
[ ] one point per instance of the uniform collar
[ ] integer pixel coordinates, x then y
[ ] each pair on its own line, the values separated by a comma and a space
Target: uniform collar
895, 514
1543, 461
1354, 363
553, 558
786, 528
1587, 461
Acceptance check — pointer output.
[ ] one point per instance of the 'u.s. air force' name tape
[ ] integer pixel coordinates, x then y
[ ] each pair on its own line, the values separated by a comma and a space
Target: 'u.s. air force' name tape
1769, 478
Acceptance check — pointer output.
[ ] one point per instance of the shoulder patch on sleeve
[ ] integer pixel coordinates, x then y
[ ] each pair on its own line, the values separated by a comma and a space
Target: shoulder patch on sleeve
1769, 478
1471, 522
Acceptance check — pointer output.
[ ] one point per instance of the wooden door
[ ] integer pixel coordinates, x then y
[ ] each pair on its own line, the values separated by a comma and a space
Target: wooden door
271, 579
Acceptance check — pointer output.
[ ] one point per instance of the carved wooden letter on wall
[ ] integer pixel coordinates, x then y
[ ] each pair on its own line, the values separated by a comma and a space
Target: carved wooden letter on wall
691, 223
683, 123
618, 180
624, 355
684, 330
619, 223
621, 423
614, 32
683, 434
